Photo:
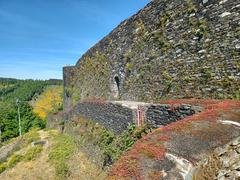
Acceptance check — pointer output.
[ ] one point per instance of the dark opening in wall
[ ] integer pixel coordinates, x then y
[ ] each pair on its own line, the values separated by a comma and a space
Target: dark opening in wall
117, 81
116, 87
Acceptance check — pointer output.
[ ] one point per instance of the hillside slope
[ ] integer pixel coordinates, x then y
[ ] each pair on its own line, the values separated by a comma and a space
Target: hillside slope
187, 148
31, 169
46, 162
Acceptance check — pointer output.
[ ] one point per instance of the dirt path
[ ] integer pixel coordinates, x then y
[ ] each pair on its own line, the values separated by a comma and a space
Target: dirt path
39, 169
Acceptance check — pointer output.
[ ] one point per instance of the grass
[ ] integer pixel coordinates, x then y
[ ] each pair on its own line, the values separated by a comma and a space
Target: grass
210, 169
82, 168
63, 148
7, 142
2, 167
13, 160
31, 154
22, 141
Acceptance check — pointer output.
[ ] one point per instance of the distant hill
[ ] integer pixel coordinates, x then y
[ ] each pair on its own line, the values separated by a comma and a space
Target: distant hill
8, 80
13, 80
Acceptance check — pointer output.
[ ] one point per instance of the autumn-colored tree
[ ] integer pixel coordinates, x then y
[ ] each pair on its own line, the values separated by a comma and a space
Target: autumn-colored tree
50, 101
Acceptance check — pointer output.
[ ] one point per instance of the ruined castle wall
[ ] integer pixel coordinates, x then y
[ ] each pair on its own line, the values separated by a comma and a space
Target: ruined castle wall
169, 49
68, 76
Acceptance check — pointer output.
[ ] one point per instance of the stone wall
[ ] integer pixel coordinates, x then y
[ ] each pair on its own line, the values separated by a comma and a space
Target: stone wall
169, 49
67, 78
112, 116
161, 115
118, 115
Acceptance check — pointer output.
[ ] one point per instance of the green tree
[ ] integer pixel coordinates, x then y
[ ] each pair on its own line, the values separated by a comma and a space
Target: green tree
8, 122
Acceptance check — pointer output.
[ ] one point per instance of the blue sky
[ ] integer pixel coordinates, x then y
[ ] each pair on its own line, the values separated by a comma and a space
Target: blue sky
39, 37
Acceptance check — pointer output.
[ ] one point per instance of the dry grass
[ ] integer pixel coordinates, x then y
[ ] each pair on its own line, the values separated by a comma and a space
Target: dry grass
209, 169
82, 168
35, 167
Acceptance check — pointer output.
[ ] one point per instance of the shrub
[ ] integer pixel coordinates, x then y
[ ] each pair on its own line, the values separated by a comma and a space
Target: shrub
62, 170
50, 101
2, 167
126, 140
111, 145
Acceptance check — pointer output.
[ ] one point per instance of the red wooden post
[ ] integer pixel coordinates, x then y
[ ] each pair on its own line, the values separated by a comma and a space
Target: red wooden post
140, 116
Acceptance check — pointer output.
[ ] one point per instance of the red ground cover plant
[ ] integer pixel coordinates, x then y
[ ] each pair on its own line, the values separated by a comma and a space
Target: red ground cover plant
151, 150
127, 166
163, 138
198, 102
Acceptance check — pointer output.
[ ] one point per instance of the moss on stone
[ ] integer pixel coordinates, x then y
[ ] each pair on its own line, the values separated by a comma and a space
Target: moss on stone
93, 79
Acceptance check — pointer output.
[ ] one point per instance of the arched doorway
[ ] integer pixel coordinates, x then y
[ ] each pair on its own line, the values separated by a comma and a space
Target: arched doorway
116, 86
117, 81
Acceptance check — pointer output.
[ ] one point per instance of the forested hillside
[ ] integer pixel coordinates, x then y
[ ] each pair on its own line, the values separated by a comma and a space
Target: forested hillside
23, 91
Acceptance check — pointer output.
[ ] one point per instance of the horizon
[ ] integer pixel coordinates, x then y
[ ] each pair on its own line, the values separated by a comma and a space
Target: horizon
37, 41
